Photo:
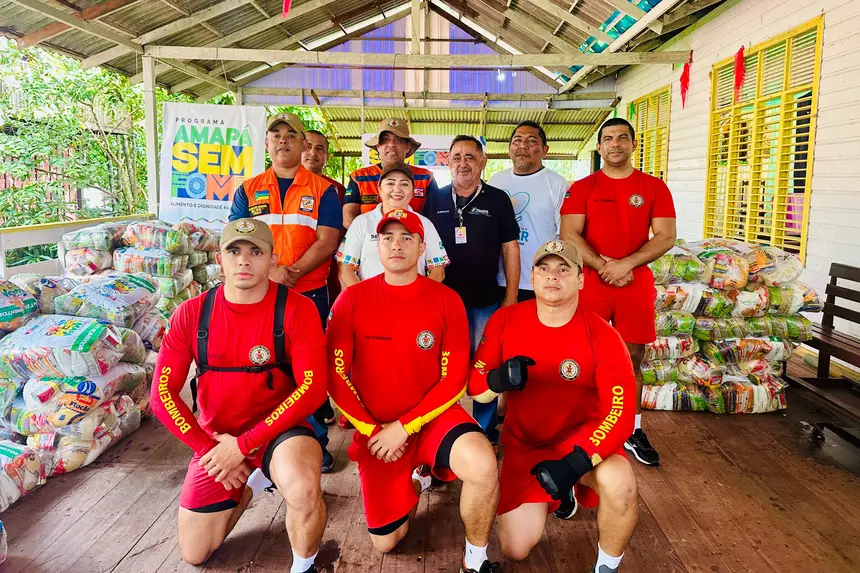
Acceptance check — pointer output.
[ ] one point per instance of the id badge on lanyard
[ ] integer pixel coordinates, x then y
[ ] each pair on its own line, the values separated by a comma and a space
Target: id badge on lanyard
460, 232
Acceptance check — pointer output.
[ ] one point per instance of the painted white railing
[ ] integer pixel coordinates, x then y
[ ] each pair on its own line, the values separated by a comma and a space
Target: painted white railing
46, 234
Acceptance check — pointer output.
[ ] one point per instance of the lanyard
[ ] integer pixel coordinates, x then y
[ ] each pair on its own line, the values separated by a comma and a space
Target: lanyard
459, 209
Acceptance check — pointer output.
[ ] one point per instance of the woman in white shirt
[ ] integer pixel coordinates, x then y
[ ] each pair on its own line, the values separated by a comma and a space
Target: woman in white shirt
358, 258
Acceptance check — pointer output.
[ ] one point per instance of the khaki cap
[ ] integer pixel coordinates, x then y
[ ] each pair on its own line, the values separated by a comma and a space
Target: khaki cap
251, 230
288, 118
560, 248
398, 127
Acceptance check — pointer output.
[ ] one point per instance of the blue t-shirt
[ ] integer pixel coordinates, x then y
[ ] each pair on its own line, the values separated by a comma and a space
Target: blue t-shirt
330, 212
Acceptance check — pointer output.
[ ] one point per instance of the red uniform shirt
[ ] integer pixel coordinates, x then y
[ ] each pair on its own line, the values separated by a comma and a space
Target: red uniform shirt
582, 380
618, 212
397, 352
253, 407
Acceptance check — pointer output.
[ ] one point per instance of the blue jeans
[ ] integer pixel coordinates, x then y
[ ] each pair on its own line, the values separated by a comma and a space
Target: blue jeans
487, 415
319, 296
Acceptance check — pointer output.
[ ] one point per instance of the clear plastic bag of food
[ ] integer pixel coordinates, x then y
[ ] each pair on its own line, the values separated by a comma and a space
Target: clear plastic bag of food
738, 350
103, 237
677, 266
793, 298
206, 273
683, 296
210, 285
156, 262
169, 305
43, 289
201, 239
172, 286
759, 367
197, 258
751, 302
724, 269
53, 403
157, 235
795, 327
152, 327
675, 323
10, 389
785, 270
212, 256
59, 346
770, 392
23, 471
715, 402
669, 348
120, 300
659, 372
719, 328
135, 349
673, 397
83, 262
715, 304
696, 370
16, 306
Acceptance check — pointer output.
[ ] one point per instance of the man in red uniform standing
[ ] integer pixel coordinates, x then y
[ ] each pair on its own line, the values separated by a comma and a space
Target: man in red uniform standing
399, 354
261, 370
570, 409
608, 216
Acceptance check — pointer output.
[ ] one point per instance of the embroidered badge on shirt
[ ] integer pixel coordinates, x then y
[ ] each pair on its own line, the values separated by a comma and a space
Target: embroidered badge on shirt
259, 355
636, 200
306, 204
425, 340
569, 369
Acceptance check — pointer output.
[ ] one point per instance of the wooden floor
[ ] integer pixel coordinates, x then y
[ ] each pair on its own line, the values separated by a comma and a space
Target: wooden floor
733, 493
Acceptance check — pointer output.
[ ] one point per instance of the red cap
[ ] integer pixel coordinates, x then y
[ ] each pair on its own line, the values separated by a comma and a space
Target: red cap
408, 219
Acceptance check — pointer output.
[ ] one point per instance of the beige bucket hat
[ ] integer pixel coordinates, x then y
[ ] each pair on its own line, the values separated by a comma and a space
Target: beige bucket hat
398, 127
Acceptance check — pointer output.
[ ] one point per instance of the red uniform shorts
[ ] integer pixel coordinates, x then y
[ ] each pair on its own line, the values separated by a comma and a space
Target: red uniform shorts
519, 486
630, 309
202, 494
386, 488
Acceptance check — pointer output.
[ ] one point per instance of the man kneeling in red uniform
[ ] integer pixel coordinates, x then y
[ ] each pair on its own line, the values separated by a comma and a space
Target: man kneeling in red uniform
399, 353
565, 429
261, 369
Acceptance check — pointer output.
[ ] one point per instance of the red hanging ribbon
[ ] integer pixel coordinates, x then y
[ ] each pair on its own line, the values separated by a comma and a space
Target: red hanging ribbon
685, 80
739, 72
286, 8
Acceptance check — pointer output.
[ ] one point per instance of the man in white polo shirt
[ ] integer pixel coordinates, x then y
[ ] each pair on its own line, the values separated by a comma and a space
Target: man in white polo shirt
358, 256
536, 193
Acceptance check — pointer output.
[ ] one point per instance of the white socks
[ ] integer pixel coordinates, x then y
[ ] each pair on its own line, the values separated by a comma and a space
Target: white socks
302, 564
258, 482
425, 481
604, 558
637, 424
475, 556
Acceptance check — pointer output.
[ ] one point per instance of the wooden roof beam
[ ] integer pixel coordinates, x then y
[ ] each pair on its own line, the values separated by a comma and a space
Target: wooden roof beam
436, 96
415, 60
558, 12
627, 7
526, 22
73, 20
88, 14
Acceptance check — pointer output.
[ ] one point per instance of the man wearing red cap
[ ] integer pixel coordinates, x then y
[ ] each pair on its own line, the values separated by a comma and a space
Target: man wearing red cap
399, 355
571, 405
393, 144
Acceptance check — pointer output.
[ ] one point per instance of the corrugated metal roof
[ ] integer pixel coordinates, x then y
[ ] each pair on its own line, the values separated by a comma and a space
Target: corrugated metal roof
145, 16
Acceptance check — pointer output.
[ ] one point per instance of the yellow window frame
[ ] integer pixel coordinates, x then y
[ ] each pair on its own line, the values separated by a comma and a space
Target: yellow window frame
761, 143
649, 116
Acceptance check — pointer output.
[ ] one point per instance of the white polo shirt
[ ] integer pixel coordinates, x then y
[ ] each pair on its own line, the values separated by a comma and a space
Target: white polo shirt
358, 248
537, 200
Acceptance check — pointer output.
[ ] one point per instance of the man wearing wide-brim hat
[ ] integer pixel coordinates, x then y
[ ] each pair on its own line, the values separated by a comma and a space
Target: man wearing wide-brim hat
394, 144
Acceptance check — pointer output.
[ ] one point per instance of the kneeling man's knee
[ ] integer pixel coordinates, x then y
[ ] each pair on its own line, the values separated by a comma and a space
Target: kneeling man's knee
617, 483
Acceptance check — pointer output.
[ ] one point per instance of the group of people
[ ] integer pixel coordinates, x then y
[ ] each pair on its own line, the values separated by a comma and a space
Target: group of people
499, 289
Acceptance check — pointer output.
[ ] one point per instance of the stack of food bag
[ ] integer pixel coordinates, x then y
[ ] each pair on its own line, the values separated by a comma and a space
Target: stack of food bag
88, 251
205, 270
728, 317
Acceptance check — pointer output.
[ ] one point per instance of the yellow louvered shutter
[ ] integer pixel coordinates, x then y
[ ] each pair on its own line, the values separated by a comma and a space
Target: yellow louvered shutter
760, 143
650, 119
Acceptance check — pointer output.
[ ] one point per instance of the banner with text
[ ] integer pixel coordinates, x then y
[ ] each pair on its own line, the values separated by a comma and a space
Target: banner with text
207, 151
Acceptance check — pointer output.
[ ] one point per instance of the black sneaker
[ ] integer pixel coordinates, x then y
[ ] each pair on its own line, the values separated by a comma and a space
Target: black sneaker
603, 569
568, 507
328, 462
313, 569
641, 448
486, 567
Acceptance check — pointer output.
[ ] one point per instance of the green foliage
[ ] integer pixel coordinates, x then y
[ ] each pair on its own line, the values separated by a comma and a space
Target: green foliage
76, 129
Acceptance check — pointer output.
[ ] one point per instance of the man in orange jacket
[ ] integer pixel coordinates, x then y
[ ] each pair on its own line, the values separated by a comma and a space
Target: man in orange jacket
304, 213
394, 144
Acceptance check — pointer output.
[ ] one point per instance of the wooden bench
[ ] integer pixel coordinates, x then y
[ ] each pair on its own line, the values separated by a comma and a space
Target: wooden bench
832, 343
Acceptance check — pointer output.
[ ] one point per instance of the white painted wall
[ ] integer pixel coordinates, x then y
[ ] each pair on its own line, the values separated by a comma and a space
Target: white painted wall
834, 219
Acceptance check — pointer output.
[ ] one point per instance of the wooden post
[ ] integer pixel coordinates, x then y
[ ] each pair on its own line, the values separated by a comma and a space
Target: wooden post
240, 96
150, 111
416, 26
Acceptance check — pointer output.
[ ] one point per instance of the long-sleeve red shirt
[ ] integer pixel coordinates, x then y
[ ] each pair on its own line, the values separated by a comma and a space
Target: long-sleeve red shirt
582, 380
239, 403
397, 352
